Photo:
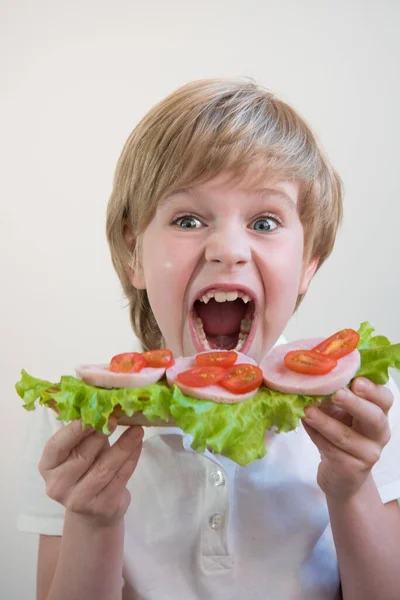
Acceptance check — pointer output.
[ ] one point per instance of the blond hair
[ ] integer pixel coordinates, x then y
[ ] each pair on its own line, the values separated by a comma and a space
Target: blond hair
201, 130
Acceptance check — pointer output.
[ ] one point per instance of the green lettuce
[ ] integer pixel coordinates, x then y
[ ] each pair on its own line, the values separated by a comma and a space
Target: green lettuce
236, 431
377, 355
78, 400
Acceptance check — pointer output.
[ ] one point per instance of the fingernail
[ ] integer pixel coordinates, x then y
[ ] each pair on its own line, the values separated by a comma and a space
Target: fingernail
112, 424
137, 432
88, 430
311, 413
340, 396
362, 384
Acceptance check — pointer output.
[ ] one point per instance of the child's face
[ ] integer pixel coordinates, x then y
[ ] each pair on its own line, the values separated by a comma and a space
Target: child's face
222, 236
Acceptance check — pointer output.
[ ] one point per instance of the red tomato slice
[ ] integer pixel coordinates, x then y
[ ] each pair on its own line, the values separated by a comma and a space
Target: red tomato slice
309, 362
341, 343
128, 362
159, 358
216, 359
202, 376
242, 378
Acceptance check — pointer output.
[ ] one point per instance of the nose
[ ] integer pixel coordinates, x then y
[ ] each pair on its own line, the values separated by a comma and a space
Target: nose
229, 246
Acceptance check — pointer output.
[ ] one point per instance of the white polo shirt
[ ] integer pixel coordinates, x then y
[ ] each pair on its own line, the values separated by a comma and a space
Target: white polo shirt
200, 527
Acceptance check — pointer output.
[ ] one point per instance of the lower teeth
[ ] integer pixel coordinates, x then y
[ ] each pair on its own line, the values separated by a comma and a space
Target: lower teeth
245, 326
200, 332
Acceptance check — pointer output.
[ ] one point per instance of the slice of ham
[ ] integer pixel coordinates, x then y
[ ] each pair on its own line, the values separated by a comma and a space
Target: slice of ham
101, 376
278, 377
211, 392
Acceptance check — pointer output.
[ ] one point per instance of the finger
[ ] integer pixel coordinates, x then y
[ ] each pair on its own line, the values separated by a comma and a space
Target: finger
337, 412
370, 420
59, 446
122, 476
84, 454
109, 462
61, 475
115, 496
377, 394
330, 452
79, 461
343, 437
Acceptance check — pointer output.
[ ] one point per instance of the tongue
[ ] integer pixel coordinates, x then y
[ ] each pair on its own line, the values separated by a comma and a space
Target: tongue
223, 342
221, 318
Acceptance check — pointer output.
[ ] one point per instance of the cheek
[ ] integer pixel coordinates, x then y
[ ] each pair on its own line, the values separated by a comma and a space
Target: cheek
167, 270
160, 274
160, 268
168, 261
283, 269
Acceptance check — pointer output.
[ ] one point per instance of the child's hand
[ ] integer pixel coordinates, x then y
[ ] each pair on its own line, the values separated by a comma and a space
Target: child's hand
86, 475
350, 434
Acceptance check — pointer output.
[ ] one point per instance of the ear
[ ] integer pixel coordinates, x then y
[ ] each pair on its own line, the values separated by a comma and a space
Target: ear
308, 274
135, 271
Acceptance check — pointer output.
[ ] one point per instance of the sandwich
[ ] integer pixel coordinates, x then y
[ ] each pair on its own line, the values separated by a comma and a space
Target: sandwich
223, 399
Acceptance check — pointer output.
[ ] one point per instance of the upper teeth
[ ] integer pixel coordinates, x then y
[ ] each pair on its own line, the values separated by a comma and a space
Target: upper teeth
224, 296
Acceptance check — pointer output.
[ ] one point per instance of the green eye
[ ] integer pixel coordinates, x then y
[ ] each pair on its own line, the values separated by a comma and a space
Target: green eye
187, 222
264, 224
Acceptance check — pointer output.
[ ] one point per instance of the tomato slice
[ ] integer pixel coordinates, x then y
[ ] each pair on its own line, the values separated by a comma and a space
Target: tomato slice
202, 376
242, 378
128, 362
217, 359
341, 343
309, 362
159, 358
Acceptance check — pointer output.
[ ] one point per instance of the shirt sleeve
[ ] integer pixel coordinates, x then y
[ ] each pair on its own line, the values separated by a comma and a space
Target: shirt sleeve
386, 472
37, 513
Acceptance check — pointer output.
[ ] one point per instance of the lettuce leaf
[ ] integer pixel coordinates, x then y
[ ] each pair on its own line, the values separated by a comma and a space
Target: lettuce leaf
77, 400
233, 430
30, 389
377, 355
236, 431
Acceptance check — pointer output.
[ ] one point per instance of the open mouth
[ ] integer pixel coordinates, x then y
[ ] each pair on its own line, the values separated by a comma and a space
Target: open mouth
223, 320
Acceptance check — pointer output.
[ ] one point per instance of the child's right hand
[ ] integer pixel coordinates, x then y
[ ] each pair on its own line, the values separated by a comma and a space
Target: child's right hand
87, 475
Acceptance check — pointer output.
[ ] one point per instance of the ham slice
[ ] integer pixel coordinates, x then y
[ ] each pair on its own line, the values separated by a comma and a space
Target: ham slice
101, 376
278, 377
215, 393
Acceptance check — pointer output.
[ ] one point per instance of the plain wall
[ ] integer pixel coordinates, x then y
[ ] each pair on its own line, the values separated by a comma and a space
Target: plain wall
75, 79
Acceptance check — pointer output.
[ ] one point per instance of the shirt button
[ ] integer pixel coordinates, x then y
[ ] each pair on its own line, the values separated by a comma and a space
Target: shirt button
217, 478
216, 521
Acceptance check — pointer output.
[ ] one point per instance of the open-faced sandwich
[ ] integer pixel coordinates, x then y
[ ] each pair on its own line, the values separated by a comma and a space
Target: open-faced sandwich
222, 398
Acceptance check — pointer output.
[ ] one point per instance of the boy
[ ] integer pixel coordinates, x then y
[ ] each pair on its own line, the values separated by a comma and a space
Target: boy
222, 189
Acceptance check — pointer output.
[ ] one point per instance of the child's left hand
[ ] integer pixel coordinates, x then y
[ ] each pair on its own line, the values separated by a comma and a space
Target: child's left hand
350, 433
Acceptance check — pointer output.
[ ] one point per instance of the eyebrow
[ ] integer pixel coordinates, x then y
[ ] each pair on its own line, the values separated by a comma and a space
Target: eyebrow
290, 203
171, 196
262, 192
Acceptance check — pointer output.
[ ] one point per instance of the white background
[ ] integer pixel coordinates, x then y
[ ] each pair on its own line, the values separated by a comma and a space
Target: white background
75, 79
